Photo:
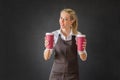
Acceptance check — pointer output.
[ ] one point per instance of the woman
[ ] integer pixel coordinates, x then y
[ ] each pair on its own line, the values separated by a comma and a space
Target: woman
65, 65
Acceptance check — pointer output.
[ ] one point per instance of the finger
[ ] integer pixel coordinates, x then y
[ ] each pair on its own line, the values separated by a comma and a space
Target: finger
84, 43
45, 37
84, 47
85, 40
46, 43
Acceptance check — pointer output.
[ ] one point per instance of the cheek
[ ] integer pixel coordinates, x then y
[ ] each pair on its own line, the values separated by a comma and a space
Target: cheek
59, 21
68, 23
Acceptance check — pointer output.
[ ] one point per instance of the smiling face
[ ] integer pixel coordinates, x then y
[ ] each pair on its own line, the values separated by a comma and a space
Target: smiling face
65, 21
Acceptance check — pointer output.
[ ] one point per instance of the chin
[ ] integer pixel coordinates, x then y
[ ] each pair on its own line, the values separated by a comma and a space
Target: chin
62, 27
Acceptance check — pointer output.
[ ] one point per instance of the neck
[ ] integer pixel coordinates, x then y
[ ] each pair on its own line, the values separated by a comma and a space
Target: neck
66, 32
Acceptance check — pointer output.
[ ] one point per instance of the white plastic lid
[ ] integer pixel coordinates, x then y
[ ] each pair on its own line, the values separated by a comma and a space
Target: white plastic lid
49, 33
81, 35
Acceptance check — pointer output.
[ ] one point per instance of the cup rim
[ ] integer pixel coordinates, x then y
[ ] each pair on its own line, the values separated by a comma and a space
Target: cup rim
49, 33
81, 35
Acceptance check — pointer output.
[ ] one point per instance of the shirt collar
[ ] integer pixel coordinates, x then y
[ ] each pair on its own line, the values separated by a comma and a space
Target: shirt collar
66, 38
71, 33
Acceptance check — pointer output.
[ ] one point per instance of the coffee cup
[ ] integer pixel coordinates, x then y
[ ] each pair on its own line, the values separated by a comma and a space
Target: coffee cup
80, 41
50, 38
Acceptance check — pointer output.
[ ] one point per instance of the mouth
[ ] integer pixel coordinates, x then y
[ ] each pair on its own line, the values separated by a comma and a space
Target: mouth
61, 24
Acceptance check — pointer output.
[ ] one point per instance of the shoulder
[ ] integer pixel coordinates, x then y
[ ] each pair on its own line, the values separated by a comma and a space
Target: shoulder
79, 32
56, 32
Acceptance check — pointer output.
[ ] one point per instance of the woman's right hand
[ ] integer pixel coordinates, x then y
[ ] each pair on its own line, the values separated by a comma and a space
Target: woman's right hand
46, 51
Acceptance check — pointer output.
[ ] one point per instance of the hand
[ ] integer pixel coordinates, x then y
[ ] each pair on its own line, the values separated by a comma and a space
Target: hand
84, 44
46, 42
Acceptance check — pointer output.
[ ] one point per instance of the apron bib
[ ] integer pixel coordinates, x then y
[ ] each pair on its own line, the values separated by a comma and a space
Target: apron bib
65, 65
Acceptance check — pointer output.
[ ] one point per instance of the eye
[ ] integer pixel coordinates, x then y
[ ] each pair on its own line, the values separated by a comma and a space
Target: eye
65, 19
61, 18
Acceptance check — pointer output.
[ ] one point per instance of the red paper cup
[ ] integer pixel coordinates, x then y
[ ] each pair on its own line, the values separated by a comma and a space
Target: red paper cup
50, 39
80, 40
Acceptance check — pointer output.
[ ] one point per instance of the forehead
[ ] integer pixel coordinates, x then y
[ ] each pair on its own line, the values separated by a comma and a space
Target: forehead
65, 14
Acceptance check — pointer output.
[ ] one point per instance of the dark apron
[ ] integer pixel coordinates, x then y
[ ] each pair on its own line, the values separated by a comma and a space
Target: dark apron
65, 65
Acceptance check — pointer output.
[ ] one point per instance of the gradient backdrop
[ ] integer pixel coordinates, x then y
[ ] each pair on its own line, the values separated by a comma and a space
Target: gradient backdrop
28, 21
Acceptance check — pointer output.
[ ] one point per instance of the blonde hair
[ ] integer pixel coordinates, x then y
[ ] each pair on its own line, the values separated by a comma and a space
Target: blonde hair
74, 17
